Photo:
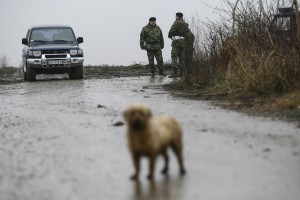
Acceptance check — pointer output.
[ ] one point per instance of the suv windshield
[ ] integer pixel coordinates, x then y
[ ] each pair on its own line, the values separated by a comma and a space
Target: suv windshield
52, 35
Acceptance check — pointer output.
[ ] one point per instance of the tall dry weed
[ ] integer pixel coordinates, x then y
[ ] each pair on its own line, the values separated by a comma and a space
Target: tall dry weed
242, 51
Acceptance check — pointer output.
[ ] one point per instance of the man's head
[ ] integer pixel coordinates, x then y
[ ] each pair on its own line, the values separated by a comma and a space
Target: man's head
179, 15
152, 21
187, 25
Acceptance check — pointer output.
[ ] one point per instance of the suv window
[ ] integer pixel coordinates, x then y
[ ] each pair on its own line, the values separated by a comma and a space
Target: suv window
52, 35
283, 23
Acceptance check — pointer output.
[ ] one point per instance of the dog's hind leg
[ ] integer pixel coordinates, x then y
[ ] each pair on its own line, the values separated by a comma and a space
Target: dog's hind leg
177, 148
165, 170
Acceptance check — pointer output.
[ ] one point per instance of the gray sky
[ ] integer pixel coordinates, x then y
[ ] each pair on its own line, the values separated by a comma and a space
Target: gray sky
110, 28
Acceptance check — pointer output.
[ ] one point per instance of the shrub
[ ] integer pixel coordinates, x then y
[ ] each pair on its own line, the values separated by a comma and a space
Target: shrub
242, 51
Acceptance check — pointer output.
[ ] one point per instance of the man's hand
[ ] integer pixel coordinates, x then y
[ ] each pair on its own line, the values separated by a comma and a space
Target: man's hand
143, 47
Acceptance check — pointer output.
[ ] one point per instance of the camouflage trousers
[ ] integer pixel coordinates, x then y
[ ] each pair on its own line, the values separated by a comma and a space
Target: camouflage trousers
158, 55
188, 60
178, 53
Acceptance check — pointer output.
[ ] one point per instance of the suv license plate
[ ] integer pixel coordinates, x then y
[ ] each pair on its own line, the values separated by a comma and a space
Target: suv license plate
56, 62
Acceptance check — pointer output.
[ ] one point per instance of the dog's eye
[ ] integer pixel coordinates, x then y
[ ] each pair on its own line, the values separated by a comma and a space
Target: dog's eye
133, 114
127, 114
141, 113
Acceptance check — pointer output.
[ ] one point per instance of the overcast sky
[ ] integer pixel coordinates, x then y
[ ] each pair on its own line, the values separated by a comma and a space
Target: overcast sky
110, 28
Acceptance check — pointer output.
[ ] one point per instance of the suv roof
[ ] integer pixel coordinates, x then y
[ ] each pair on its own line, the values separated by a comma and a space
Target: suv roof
285, 12
49, 26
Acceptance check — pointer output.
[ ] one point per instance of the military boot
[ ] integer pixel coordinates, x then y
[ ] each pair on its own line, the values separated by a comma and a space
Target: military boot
152, 74
174, 74
161, 72
180, 73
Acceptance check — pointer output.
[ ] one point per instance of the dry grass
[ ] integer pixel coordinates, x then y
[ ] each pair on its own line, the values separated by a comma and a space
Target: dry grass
243, 52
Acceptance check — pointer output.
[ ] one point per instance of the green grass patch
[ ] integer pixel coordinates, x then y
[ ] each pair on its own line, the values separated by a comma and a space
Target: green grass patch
7, 71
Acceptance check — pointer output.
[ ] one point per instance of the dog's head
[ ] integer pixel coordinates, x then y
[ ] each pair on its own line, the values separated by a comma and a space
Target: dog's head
137, 115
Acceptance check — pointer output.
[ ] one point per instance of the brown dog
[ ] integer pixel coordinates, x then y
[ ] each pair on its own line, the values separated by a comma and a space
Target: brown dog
150, 136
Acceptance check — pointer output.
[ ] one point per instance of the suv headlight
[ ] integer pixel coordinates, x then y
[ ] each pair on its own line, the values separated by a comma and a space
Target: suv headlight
35, 53
73, 52
80, 51
76, 52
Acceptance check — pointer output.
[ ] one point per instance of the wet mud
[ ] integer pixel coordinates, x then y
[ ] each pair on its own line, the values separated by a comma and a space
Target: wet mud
65, 139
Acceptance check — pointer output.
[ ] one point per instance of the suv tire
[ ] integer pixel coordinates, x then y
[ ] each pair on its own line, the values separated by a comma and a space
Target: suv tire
25, 76
76, 73
31, 75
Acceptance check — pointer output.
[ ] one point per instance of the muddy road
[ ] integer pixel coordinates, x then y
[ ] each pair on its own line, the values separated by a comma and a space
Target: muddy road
58, 142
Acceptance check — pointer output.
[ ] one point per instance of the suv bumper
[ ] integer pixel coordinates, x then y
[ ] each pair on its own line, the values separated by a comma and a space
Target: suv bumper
54, 62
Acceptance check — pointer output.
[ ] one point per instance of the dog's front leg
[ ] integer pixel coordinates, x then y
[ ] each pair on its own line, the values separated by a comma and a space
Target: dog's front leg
152, 159
136, 162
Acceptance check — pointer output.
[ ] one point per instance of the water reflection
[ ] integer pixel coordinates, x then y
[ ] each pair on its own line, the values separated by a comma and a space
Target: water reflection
159, 80
165, 189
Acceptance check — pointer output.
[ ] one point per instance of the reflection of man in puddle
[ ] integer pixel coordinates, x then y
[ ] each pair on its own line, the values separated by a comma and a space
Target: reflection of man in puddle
160, 79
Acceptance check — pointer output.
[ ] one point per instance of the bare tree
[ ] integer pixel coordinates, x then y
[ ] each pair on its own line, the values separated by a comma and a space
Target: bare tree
3, 61
242, 52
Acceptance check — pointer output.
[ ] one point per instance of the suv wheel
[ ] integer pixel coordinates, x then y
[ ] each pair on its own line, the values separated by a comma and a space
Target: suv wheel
24, 73
76, 73
25, 76
30, 74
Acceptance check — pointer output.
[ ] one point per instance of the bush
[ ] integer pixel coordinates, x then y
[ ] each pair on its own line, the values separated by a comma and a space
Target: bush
8, 71
243, 52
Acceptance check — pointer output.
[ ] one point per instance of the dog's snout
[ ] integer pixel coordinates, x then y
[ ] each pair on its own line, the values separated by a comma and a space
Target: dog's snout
137, 122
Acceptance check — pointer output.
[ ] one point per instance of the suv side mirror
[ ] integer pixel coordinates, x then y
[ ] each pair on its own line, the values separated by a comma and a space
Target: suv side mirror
24, 41
80, 40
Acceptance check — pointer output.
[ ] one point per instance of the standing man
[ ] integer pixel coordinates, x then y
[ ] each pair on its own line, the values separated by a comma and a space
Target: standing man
152, 40
190, 38
178, 33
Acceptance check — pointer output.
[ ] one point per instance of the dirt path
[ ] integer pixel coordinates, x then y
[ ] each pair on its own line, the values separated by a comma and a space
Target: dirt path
58, 142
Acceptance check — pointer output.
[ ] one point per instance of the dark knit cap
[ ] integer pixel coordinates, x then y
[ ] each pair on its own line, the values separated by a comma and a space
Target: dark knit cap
179, 14
152, 19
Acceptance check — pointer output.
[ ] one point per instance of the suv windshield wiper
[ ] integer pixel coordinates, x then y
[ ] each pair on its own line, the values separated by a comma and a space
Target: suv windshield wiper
54, 41
38, 41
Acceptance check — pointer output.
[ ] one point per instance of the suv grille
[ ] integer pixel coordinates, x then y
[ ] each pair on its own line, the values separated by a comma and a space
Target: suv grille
54, 51
55, 55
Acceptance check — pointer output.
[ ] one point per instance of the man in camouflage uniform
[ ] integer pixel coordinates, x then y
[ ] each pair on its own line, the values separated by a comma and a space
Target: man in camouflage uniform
178, 34
152, 40
190, 38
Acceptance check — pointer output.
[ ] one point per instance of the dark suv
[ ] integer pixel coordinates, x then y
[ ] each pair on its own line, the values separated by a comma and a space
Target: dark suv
52, 50
284, 26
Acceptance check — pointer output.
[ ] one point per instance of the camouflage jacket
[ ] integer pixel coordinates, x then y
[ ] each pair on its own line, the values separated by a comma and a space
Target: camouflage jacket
179, 28
151, 38
190, 38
